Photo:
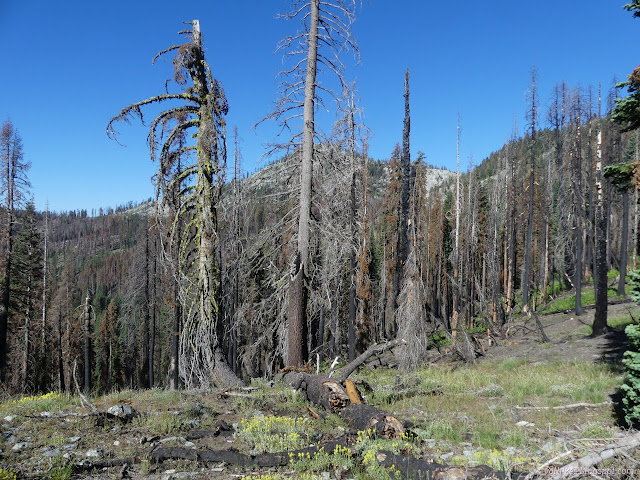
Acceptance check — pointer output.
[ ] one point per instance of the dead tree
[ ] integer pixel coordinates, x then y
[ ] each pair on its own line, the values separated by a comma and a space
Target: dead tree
326, 23
528, 248
202, 107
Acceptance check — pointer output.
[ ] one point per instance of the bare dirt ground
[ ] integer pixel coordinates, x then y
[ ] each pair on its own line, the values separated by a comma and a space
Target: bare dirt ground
570, 338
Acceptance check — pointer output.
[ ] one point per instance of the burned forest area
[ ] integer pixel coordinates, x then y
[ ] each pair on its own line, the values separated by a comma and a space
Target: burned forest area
332, 315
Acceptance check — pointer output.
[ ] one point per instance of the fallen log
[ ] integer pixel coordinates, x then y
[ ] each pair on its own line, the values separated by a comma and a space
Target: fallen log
418, 469
233, 457
573, 469
366, 417
319, 390
573, 406
408, 467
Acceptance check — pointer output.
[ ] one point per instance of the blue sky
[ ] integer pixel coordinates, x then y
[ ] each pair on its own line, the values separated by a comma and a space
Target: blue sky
69, 66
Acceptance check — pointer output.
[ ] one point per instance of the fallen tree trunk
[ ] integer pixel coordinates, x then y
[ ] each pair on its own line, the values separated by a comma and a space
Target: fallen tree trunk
341, 396
574, 469
409, 467
233, 457
366, 417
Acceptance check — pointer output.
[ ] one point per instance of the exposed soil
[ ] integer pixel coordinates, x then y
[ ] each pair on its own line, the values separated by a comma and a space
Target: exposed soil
570, 338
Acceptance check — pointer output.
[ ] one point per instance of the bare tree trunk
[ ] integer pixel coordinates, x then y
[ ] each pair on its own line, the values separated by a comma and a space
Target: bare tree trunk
403, 243
528, 250
175, 340
86, 317
351, 337
600, 318
456, 252
578, 231
146, 372
298, 286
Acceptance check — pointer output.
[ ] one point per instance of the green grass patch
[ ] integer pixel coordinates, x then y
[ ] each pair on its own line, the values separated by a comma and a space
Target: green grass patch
35, 404
568, 302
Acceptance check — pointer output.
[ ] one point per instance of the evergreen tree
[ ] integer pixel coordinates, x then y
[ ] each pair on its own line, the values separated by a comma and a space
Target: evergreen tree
25, 289
14, 185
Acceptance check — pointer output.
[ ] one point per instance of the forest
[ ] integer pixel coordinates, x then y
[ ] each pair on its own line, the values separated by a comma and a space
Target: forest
324, 252
415, 252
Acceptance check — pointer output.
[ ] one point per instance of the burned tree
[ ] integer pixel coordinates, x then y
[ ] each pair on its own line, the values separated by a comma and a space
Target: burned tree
325, 23
202, 107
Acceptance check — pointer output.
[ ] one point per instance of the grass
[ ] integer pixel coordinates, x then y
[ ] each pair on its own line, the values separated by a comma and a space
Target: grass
35, 404
568, 302
478, 406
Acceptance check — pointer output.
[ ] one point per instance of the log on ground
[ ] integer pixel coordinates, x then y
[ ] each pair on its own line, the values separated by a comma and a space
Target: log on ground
366, 417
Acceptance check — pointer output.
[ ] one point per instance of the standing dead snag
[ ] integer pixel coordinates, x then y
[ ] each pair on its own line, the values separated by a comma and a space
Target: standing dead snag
203, 108
325, 23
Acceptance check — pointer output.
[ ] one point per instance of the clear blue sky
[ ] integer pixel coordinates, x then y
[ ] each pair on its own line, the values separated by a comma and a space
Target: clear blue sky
69, 66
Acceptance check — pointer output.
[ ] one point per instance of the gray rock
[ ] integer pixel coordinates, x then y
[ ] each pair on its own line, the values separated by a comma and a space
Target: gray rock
510, 450
189, 445
74, 439
122, 411
94, 453
550, 446
69, 446
54, 452
19, 446
9, 418
524, 423
446, 456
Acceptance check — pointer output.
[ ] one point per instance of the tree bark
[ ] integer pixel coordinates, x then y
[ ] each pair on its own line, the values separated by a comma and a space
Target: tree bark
86, 317
298, 284
528, 250
600, 317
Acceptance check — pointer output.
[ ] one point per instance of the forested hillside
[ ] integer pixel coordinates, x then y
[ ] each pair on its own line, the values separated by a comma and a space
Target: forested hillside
111, 273
325, 251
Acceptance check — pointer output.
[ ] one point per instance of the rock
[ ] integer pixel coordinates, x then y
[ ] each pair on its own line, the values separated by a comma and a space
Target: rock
94, 453
125, 412
523, 423
446, 456
74, 439
116, 443
9, 437
19, 446
172, 439
189, 445
69, 446
54, 452
9, 418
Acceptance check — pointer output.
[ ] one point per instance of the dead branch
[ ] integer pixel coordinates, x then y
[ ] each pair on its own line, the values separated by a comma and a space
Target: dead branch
567, 407
84, 400
542, 467
373, 349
